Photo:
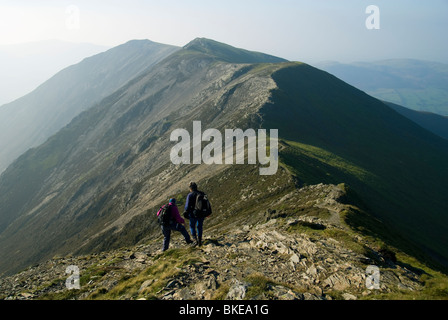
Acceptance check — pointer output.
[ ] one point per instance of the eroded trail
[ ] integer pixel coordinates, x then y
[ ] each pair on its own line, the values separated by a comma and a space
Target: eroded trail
308, 256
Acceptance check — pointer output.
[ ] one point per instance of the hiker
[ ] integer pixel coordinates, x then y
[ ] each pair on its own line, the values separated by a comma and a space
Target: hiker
170, 219
194, 214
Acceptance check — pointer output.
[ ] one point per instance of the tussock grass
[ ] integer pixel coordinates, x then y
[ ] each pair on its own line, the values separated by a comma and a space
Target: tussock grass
166, 266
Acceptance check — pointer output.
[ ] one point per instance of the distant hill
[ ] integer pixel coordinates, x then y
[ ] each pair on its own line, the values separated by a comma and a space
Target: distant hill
94, 185
26, 66
415, 84
30, 120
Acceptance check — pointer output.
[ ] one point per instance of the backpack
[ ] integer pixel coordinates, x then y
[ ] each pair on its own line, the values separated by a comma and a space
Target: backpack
164, 215
202, 206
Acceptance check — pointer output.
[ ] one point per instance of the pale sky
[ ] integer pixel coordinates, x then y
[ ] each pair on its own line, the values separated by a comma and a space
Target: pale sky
309, 31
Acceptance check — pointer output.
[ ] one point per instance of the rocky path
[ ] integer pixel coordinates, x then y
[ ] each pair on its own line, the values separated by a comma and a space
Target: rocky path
302, 257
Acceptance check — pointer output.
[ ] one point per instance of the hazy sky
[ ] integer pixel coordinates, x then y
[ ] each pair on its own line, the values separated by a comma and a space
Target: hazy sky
309, 31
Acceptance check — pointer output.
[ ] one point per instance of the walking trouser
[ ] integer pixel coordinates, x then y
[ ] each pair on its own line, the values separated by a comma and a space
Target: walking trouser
166, 230
196, 224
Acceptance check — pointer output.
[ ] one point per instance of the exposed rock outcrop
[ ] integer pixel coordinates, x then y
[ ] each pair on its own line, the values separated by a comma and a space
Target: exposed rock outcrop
297, 256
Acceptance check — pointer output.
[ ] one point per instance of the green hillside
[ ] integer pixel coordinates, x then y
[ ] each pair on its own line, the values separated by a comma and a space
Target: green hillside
340, 134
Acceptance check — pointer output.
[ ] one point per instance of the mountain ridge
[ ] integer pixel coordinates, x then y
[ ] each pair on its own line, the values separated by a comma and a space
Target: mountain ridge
96, 183
228, 53
363, 136
27, 65
104, 130
33, 118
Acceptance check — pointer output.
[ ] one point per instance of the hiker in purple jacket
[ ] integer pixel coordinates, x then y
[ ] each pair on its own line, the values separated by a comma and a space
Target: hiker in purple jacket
175, 222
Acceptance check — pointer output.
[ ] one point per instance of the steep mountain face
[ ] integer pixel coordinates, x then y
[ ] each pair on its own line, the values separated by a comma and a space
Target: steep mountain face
415, 84
96, 184
395, 165
110, 162
32, 119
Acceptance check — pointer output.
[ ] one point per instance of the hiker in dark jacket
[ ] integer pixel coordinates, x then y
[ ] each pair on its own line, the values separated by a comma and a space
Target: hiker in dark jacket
176, 223
196, 223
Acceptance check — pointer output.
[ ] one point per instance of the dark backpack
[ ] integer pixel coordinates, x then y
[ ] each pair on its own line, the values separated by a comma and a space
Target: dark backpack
202, 207
164, 216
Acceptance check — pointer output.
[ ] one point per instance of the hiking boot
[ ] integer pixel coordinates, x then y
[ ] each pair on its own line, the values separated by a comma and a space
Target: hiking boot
195, 241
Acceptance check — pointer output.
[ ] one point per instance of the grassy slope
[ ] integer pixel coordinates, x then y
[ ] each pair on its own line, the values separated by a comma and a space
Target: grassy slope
398, 168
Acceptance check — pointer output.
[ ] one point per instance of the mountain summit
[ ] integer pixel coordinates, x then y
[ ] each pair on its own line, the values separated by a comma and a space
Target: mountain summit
227, 53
